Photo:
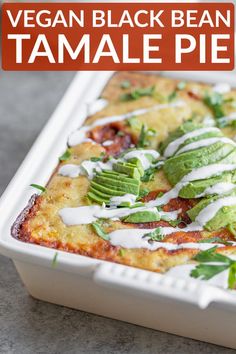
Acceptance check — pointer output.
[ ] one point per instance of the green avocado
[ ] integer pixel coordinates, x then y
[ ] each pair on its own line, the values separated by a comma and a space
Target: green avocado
175, 168
142, 217
186, 127
118, 185
135, 161
127, 168
111, 192
195, 188
225, 216
98, 199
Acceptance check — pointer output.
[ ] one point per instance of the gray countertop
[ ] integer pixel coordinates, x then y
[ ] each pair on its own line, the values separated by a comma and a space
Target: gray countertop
30, 326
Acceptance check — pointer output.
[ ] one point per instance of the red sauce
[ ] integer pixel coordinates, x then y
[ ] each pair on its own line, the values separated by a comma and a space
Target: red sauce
111, 132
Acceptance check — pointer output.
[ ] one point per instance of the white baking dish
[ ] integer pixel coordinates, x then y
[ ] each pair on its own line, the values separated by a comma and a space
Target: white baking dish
190, 308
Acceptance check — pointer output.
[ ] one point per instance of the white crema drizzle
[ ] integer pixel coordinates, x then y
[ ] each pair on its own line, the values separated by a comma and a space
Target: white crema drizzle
205, 142
88, 214
89, 167
174, 145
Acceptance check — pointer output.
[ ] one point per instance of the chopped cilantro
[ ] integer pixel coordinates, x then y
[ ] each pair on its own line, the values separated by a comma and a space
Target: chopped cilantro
54, 260
145, 133
134, 123
155, 235
215, 102
142, 137
122, 252
143, 192
125, 84
232, 230
172, 96
206, 272
37, 186
120, 133
211, 264
97, 158
65, 156
181, 85
99, 231
232, 276
137, 93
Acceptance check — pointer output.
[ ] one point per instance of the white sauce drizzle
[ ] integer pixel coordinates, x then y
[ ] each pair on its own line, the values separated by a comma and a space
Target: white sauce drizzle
141, 156
209, 121
133, 238
88, 214
205, 142
212, 209
127, 198
218, 189
174, 145
196, 174
227, 119
107, 143
89, 167
70, 170
222, 88
78, 136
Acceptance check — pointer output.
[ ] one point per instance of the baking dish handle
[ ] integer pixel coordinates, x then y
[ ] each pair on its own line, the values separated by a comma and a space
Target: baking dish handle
141, 282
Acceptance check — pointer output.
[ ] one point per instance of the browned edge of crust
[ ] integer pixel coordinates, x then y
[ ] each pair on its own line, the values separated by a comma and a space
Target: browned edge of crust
16, 227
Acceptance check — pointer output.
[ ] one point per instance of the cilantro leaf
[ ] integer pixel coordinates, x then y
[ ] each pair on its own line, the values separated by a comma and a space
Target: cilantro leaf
142, 137
37, 186
232, 276
54, 260
207, 271
232, 230
145, 133
155, 235
137, 93
172, 96
65, 156
122, 252
211, 256
181, 85
148, 174
134, 123
99, 231
125, 84
215, 102
211, 264
97, 158
120, 133
143, 192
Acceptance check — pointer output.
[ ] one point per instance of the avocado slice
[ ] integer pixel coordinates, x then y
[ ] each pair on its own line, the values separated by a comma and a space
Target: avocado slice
96, 198
178, 166
132, 188
142, 217
186, 127
116, 179
225, 216
135, 161
111, 192
127, 168
195, 188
